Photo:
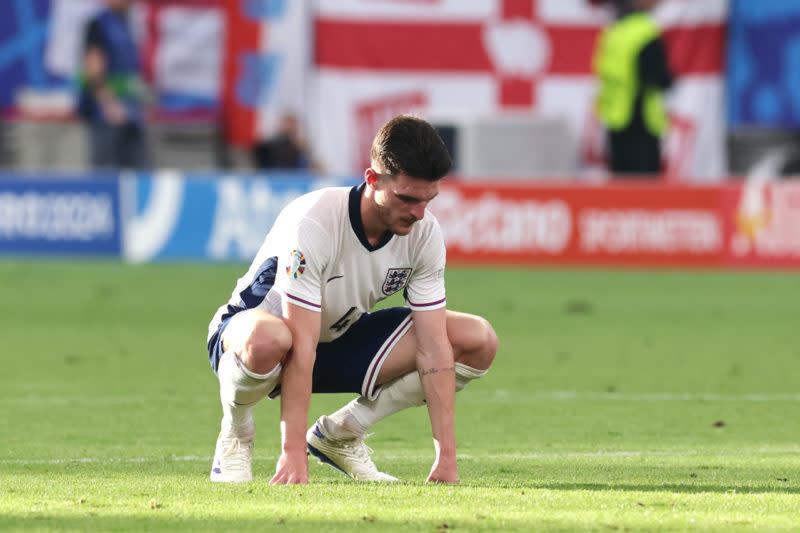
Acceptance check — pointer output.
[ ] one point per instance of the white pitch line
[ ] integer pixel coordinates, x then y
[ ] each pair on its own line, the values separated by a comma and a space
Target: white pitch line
566, 396
98, 460
490, 456
501, 395
635, 453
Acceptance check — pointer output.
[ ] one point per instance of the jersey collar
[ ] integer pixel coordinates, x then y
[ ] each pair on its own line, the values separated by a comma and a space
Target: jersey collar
358, 224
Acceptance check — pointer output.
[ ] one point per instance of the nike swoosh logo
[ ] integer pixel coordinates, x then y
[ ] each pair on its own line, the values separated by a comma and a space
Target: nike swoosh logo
333, 278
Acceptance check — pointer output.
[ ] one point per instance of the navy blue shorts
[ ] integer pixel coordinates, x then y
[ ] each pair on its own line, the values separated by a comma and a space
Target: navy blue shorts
352, 362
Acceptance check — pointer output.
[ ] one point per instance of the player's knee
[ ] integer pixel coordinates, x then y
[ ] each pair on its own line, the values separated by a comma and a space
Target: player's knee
266, 346
477, 345
488, 343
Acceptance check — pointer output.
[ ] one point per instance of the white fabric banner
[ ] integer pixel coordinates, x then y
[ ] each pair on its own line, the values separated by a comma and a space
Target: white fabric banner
189, 56
287, 37
181, 40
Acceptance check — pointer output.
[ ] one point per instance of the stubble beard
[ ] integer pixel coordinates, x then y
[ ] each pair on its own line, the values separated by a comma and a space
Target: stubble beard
395, 226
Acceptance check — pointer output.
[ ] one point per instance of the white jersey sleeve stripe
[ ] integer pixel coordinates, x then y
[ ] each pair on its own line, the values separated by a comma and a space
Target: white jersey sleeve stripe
305, 302
429, 305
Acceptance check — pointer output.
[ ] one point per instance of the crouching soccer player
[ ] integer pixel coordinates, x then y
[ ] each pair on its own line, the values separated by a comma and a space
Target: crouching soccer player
298, 321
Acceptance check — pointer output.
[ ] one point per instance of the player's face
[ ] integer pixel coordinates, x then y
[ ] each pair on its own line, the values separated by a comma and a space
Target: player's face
401, 201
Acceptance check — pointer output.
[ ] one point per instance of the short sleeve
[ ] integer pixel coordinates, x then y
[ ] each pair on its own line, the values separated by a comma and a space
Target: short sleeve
426, 289
303, 256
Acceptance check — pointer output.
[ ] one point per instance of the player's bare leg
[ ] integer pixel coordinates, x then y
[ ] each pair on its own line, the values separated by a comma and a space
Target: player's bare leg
255, 343
474, 347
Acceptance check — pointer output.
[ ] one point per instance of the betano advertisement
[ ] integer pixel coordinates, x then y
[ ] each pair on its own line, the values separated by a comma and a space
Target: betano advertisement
176, 216
754, 224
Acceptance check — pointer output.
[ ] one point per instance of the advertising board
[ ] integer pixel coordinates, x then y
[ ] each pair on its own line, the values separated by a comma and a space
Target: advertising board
58, 215
206, 216
738, 224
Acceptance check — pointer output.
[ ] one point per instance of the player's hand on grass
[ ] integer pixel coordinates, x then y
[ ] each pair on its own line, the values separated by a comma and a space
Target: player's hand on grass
292, 469
444, 471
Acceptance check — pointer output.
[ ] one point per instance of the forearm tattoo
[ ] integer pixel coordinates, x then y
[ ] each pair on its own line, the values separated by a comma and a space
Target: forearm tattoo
425, 372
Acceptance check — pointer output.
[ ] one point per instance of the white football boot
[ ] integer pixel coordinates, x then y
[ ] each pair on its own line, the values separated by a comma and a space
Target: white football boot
233, 458
350, 456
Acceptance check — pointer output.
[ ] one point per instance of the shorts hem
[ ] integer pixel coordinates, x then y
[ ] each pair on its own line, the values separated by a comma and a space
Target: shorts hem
369, 389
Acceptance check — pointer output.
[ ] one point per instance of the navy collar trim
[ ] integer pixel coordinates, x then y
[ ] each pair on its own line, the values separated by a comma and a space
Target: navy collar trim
358, 225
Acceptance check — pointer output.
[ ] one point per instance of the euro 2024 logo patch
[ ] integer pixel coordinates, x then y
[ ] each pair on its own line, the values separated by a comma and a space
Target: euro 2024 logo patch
396, 279
297, 264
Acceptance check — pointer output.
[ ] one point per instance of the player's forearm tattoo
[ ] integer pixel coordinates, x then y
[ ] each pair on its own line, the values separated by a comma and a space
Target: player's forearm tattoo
435, 370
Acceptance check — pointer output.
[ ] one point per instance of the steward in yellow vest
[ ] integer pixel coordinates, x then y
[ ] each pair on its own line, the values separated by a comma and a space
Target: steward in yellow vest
631, 66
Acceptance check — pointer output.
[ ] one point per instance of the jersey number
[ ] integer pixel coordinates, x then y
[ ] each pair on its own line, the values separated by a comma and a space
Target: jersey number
342, 323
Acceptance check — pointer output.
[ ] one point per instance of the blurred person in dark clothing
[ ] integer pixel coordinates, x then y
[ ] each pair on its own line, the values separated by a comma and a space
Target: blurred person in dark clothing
630, 62
288, 148
112, 91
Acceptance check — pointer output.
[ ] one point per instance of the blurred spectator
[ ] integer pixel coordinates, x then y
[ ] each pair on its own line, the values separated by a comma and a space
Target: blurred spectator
112, 91
3, 160
288, 148
631, 63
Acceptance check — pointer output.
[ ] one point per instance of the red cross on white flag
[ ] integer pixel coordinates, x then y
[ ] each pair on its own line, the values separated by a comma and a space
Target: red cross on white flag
512, 41
376, 58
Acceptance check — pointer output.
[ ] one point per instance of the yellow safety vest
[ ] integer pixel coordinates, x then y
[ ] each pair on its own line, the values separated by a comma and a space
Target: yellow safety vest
615, 63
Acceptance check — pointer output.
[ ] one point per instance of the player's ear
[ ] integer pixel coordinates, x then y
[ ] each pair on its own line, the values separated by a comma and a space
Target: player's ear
370, 176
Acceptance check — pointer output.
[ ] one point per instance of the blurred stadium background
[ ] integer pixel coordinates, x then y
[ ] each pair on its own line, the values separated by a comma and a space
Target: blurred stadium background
623, 400
508, 82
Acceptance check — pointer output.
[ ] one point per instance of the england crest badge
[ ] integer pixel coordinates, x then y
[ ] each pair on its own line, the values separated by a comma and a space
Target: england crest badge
396, 279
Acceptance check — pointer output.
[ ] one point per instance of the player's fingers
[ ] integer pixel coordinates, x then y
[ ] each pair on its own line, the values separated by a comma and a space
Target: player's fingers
437, 478
278, 479
291, 479
444, 481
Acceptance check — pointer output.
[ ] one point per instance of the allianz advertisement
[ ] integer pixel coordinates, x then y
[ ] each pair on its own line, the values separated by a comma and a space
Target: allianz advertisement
164, 215
176, 216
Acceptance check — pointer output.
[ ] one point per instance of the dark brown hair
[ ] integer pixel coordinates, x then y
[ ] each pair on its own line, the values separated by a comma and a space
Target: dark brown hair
411, 146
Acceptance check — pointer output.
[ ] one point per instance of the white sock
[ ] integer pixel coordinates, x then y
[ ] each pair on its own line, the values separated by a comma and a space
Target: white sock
355, 418
465, 374
240, 389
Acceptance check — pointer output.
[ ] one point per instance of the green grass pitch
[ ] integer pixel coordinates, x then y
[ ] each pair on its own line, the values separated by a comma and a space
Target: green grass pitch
619, 401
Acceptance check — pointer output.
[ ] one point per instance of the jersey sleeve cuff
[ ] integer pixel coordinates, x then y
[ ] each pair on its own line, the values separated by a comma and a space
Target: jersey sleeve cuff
427, 306
303, 302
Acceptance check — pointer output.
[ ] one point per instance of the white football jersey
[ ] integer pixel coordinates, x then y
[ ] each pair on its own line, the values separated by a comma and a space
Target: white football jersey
317, 256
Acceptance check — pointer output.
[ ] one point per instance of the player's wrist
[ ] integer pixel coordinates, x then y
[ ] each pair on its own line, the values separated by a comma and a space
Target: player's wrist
294, 448
446, 460
293, 436
445, 453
